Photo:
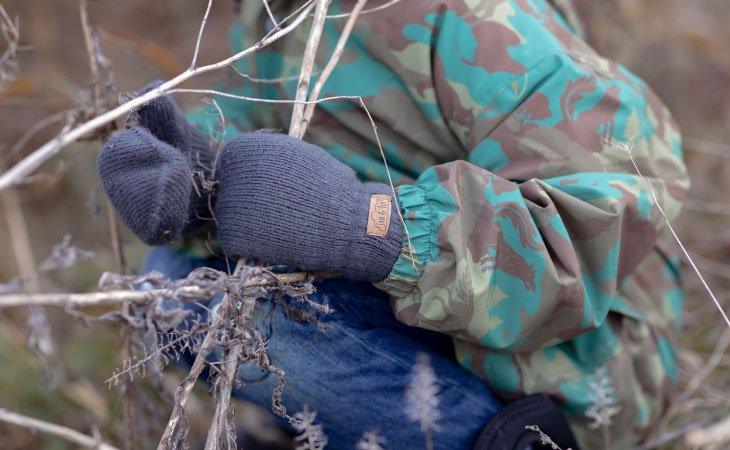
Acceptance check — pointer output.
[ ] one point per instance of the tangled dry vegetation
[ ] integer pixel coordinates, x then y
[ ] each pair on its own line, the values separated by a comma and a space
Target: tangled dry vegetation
61, 349
165, 329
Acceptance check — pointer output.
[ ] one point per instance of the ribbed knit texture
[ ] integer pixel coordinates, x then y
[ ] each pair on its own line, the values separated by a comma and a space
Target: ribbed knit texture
167, 122
148, 173
148, 182
285, 201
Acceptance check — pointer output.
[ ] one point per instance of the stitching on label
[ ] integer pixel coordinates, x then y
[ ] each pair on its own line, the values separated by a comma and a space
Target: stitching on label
379, 215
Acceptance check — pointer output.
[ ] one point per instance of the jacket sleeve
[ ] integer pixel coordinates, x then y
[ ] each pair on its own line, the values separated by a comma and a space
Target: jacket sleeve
526, 242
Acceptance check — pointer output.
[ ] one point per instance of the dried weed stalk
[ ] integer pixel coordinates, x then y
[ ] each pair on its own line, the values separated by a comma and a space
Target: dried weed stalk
31, 162
627, 147
603, 404
56, 430
544, 438
10, 30
422, 398
371, 440
310, 434
167, 329
64, 255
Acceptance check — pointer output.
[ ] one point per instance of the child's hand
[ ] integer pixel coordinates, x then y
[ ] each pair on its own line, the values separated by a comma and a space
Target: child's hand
285, 201
153, 173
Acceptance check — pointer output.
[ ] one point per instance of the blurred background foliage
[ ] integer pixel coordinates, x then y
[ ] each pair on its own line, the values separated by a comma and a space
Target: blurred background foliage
682, 49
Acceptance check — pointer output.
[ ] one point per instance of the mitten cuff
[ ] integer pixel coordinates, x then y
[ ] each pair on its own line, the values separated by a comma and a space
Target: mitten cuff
376, 233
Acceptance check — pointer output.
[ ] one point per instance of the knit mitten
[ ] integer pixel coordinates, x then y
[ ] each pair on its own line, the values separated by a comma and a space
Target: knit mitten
157, 174
285, 201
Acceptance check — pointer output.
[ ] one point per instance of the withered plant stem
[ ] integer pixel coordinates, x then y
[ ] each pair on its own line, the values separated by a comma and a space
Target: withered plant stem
31, 162
296, 128
50, 428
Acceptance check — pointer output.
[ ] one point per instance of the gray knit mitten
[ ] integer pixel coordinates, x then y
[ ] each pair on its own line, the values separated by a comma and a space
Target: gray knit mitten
285, 201
157, 173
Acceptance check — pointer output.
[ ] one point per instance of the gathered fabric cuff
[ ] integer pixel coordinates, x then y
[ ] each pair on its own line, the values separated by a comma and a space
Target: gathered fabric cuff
420, 242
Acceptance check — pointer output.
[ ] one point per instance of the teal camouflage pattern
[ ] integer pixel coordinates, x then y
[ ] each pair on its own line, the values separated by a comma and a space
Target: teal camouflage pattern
533, 242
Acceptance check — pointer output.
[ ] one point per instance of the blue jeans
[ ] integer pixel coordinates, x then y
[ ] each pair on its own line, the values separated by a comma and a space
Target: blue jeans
355, 374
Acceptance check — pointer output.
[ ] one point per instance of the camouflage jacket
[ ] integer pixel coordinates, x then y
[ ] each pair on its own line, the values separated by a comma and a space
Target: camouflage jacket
535, 244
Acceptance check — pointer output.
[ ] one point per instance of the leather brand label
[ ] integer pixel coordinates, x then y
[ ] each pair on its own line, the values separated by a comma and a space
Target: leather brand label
379, 215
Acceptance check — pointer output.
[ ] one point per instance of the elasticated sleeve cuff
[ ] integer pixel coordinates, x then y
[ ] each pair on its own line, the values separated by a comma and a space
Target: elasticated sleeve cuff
420, 241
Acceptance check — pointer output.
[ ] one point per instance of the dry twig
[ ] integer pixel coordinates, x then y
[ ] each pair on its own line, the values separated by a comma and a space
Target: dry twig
10, 30
200, 35
183, 293
183, 391
31, 162
627, 147
50, 428
229, 326
39, 339
367, 11
95, 57
231, 367
334, 59
271, 15
296, 127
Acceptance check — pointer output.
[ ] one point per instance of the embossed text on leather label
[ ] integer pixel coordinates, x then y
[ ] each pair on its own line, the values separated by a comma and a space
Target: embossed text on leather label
379, 215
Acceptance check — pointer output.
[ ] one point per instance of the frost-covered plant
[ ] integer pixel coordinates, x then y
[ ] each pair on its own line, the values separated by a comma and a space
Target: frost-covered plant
603, 402
602, 398
544, 438
370, 440
311, 434
422, 397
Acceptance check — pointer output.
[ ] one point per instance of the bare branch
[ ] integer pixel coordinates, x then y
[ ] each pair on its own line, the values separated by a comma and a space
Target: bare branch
115, 239
184, 293
32, 131
271, 15
20, 240
231, 367
96, 58
258, 99
218, 425
312, 102
31, 162
266, 80
183, 391
200, 34
334, 59
366, 11
132, 439
225, 384
310, 51
50, 428
63, 255
96, 298
93, 62
11, 33
39, 338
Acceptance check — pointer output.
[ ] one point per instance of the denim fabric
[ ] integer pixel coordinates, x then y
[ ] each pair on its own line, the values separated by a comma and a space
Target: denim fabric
354, 375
